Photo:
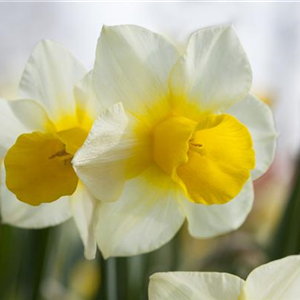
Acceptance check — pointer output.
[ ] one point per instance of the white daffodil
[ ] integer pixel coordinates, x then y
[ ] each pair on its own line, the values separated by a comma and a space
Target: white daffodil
40, 134
277, 280
181, 137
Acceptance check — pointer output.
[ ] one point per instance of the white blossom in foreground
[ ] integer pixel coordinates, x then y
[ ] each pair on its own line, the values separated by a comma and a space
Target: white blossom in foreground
277, 280
181, 138
40, 133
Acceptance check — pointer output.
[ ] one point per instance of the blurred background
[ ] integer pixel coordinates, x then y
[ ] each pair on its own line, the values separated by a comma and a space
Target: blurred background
48, 264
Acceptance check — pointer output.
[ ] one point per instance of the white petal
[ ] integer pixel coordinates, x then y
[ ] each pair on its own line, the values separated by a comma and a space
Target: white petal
10, 126
259, 120
31, 114
18, 117
194, 286
207, 221
17, 213
49, 77
132, 66
214, 73
104, 158
277, 280
145, 217
85, 96
83, 207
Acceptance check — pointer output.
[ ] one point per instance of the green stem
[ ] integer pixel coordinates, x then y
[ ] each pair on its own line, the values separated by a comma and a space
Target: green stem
41, 242
108, 287
286, 240
122, 277
111, 282
102, 288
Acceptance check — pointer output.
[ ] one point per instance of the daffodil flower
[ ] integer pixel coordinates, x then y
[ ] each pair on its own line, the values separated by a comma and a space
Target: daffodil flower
40, 133
181, 137
278, 279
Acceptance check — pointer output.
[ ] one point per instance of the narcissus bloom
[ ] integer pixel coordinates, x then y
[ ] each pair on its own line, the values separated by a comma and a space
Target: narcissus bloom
279, 279
40, 133
181, 137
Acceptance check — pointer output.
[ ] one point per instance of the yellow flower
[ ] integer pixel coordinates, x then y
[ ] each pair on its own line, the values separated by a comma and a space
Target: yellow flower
279, 279
180, 135
40, 133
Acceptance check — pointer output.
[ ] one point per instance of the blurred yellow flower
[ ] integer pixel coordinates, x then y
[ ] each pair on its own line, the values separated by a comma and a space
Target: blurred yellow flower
85, 279
41, 132
180, 134
279, 279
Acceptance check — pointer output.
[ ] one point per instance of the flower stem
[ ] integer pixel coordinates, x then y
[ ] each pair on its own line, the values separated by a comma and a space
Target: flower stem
108, 287
41, 242
286, 240
111, 279
122, 277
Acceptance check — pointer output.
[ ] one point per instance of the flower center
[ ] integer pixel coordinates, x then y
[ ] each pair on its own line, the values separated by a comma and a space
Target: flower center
38, 166
211, 160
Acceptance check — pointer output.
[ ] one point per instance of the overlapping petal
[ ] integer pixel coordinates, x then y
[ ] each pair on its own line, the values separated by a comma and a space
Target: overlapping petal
132, 66
207, 221
49, 77
112, 153
88, 106
11, 127
18, 117
214, 72
17, 213
145, 217
259, 120
83, 206
32, 115
194, 286
278, 279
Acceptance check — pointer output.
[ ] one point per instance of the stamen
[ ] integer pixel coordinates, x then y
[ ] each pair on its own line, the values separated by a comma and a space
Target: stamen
61, 156
196, 147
